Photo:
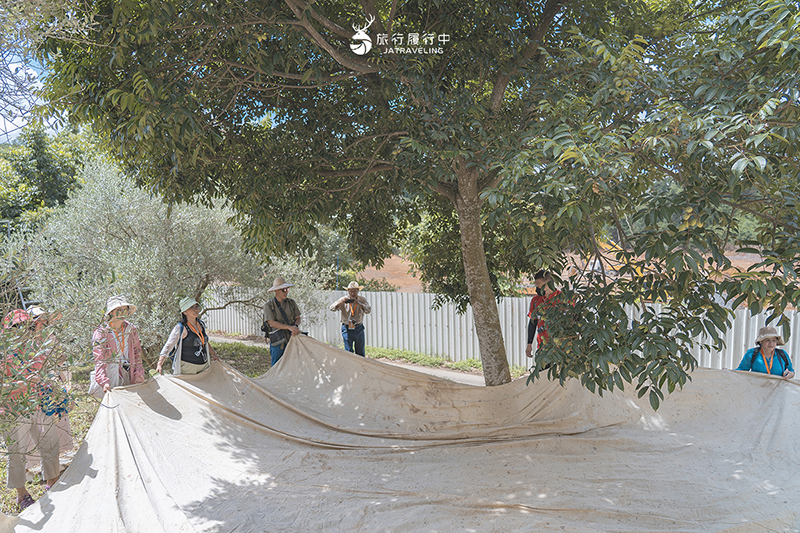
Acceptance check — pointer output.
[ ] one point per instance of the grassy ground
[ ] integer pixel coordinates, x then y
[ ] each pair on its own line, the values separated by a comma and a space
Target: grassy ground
250, 360
470, 365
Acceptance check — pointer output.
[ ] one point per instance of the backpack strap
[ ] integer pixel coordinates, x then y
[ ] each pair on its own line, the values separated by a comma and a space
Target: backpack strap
285, 318
784, 358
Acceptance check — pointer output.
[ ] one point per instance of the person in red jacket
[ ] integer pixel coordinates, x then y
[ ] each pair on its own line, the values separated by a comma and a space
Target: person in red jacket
545, 293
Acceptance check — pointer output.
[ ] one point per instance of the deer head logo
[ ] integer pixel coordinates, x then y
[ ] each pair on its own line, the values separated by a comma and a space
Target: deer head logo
363, 43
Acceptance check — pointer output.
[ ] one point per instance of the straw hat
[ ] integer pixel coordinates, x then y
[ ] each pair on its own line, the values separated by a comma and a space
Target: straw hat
768, 331
186, 303
279, 284
115, 302
354, 285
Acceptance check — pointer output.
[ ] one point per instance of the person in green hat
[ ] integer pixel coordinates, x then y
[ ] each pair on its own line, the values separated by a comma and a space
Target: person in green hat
188, 342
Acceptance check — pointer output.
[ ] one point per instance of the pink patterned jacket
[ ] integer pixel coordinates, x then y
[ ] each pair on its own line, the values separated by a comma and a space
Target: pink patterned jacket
104, 349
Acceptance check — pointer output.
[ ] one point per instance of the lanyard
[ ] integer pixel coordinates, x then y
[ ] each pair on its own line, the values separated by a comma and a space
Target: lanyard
766, 364
352, 311
119, 338
198, 333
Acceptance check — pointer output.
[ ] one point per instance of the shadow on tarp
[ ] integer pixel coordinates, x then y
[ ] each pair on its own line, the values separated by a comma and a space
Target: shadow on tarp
329, 441
158, 404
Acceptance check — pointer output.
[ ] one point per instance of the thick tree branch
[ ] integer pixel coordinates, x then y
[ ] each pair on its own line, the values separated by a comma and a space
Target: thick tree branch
447, 190
354, 171
204, 282
373, 137
324, 21
618, 225
372, 11
250, 301
551, 9
490, 180
760, 214
299, 9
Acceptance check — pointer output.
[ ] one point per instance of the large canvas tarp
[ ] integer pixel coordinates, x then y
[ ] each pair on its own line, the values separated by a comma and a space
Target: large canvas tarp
328, 441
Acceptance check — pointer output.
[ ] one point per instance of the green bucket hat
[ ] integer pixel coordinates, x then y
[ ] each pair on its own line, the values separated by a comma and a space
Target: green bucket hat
187, 302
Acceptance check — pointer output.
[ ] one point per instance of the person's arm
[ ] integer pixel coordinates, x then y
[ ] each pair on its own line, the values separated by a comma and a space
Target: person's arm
213, 352
172, 341
337, 305
274, 324
290, 308
745, 364
272, 317
531, 334
364, 305
99, 349
788, 373
297, 318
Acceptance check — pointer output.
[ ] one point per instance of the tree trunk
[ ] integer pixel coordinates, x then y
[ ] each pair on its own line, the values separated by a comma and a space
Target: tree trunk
479, 285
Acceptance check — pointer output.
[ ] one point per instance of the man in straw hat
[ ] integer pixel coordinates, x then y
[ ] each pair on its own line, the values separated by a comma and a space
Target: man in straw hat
352, 309
281, 316
762, 357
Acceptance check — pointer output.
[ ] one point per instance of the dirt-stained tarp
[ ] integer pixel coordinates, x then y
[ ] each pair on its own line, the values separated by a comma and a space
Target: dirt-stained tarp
329, 441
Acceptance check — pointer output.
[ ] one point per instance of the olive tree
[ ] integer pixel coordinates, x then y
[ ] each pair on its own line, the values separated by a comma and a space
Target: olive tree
114, 238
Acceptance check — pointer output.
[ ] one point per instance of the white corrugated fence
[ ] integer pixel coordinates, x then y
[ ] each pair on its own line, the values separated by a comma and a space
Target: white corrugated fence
407, 321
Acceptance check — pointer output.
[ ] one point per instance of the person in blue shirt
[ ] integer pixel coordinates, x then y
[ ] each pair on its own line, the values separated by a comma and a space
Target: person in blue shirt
766, 357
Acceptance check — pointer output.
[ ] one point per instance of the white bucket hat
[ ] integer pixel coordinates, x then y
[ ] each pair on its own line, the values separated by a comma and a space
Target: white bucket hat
36, 312
115, 302
279, 284
768, 331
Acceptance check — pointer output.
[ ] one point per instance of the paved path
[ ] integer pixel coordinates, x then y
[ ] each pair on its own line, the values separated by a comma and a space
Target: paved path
452, 375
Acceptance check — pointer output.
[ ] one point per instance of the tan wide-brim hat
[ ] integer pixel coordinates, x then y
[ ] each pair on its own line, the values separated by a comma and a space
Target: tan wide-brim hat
354, 285
768, 331
279, 284
115, 302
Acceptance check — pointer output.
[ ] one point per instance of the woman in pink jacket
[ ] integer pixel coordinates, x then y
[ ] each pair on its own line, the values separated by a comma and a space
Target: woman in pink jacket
116, 349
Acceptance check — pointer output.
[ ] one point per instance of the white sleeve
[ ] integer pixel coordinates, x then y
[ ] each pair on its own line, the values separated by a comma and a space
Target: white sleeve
174, 337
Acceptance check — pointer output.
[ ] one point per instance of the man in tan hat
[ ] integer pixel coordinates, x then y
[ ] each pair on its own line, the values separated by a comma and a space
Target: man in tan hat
281, 315
352, 308
762, 357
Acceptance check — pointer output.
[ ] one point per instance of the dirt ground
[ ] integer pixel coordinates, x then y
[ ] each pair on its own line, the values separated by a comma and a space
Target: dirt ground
397, 272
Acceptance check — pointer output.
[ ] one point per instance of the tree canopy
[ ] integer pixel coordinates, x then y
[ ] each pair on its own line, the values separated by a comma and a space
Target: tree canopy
38, 171
23, 25
554, 119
